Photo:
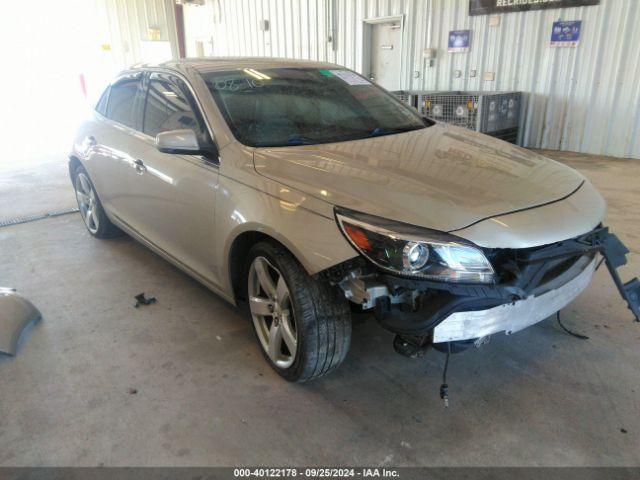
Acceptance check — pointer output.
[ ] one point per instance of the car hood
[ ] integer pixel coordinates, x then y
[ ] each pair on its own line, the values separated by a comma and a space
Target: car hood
442, 177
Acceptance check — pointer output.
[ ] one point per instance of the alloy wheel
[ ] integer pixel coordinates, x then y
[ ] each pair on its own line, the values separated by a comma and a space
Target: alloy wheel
272, 312
87, 202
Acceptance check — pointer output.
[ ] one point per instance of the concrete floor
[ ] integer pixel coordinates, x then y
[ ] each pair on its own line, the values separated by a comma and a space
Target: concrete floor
35, 185
205, 396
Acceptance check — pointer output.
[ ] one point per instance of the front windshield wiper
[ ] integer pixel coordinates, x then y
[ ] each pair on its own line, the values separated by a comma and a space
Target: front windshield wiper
296, 139
300, 140
379, 131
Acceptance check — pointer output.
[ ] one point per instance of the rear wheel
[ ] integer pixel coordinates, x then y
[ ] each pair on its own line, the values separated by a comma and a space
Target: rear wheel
303, 324
91, 210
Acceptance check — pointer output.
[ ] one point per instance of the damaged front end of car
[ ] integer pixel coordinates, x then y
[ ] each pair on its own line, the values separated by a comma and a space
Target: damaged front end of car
435, 289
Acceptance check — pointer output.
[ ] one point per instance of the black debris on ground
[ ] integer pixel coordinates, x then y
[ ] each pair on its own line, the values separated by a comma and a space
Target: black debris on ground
142, 300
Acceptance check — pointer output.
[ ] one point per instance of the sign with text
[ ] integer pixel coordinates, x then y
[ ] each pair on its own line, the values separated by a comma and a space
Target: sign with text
485, 7
459, 41
566, 34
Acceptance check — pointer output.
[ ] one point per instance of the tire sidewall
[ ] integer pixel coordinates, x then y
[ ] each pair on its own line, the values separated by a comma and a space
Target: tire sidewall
103, 228
305, 326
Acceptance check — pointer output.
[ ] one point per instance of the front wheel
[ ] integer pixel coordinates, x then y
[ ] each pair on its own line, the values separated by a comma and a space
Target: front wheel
303, 324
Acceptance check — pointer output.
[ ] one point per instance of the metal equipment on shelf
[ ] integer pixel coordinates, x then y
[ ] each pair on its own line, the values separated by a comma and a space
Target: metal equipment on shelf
494, 113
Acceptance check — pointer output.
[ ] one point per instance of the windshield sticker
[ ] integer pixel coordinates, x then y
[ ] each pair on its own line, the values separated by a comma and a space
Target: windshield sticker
326, 73
350, 77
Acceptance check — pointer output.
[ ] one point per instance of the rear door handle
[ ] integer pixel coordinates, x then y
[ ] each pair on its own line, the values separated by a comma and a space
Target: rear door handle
88, 143
139, 166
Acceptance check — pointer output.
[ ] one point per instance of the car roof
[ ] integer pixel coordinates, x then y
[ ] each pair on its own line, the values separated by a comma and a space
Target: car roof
213, 64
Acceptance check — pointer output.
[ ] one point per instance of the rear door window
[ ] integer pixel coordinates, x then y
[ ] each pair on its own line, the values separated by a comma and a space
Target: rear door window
121, 104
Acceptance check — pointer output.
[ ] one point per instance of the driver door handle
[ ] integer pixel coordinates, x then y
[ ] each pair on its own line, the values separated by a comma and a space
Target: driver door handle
139, 166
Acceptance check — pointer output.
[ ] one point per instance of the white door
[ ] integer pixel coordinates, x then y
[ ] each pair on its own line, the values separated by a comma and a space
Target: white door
386, 53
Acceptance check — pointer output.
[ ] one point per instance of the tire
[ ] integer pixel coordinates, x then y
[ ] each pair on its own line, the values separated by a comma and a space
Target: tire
318, 317
91, 210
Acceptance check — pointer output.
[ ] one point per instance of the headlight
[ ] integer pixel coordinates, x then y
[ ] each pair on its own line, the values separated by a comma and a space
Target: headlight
413, 251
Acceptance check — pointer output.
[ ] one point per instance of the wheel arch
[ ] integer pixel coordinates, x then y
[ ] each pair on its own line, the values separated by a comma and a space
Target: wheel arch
239, 249
74, 162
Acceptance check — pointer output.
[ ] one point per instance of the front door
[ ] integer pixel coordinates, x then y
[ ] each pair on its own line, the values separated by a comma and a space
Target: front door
172, 196
386, 54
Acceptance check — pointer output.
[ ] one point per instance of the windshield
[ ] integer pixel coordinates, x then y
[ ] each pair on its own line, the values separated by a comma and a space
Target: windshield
306, 106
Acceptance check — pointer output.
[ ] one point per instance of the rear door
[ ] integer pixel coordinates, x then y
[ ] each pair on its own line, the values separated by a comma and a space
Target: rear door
112, 135
171, 197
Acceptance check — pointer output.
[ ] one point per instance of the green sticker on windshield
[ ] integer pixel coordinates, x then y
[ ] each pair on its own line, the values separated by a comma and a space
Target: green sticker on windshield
326, 73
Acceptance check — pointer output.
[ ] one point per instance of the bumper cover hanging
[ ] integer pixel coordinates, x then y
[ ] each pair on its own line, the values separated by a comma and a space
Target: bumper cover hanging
516, 316
615, 255
515, 304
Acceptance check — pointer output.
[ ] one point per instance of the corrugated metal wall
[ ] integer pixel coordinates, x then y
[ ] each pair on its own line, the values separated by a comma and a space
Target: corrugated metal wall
584, 99
129, 22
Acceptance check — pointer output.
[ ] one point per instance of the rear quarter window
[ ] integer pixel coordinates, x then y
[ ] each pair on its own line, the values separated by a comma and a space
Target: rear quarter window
101, 106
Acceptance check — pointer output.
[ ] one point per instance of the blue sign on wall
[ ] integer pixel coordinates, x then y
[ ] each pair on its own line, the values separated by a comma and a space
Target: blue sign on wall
459, 40
566, 34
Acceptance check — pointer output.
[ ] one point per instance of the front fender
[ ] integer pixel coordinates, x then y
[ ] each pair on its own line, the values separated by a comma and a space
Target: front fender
314, 239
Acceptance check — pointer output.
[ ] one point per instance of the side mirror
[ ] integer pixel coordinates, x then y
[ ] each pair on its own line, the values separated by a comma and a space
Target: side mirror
178, 141
185, 142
